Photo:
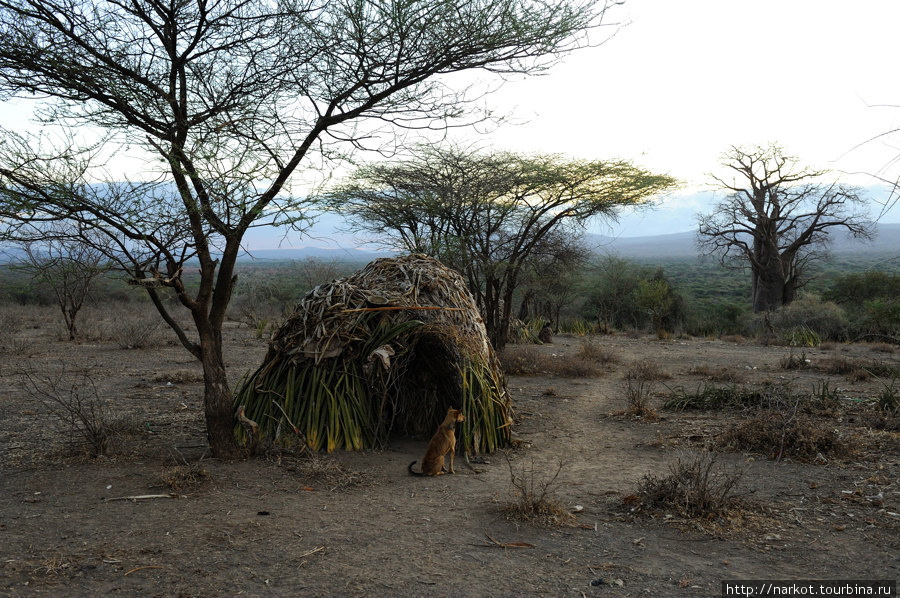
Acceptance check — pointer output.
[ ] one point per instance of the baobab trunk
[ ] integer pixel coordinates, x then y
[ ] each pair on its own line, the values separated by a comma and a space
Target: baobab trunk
771, 291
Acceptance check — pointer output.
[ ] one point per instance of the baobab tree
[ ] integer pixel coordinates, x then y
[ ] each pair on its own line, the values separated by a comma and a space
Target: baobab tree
226, 101
777, 219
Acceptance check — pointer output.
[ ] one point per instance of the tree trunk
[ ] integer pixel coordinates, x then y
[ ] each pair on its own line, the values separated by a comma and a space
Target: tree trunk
217, 398
768, 290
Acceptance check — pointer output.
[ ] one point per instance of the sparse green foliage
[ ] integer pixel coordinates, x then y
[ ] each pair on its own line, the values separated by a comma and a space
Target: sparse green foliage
808, 320
712, 396
624, 295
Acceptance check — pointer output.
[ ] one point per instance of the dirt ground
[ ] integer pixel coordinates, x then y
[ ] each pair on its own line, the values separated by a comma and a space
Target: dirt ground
158, 518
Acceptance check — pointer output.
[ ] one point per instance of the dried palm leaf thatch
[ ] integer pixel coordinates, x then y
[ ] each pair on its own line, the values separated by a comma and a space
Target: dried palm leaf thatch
385, 350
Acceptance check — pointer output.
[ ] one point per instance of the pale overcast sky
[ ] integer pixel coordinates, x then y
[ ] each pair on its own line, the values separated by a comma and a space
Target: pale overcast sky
683, 80
687, 78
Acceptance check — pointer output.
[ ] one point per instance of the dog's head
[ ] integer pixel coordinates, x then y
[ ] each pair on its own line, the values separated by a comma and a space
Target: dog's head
455, 415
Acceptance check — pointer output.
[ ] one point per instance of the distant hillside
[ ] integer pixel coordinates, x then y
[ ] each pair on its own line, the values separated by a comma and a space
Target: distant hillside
301, 253
684, 245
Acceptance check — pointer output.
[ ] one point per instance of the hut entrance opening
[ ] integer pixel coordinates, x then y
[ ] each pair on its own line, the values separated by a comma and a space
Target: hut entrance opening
428, 384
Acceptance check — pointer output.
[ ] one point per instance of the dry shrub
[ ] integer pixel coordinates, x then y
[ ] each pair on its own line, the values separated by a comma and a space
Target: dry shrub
720, 374
784, 433
859, 370
647, 370
795, 362
694, 487
881, 420
72, 397
574, 366
529, 360
882, 348
534, 499
883, 369
592, 351
838, 366
522, 360
179, 376
639, 382
137, 332
710, 396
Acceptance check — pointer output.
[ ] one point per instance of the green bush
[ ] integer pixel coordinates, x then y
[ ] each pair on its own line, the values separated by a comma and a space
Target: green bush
808, 320
881, 316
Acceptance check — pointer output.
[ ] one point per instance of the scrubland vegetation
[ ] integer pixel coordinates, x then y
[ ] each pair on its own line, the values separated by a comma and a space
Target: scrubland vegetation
850, 298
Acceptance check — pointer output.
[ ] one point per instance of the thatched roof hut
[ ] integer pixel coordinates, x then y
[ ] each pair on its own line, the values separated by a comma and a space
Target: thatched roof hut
385, 350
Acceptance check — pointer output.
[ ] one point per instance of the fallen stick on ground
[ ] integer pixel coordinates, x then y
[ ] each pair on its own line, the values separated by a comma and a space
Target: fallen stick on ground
144, 567
142, 497
505, 544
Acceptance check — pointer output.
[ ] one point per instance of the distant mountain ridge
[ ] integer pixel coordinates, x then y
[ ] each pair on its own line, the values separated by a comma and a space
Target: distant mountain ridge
684, 244
675, 245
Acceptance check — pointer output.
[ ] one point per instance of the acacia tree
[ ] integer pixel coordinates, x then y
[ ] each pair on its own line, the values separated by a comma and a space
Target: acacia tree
548, 280
68, 268
488, 214
230, 98
777, 220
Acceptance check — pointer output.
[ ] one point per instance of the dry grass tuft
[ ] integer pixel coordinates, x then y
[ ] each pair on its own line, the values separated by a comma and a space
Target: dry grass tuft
639, 382
534, 499
184, 477
882, 348
792, 361
522, 360
324, 471
838, 366
647, 370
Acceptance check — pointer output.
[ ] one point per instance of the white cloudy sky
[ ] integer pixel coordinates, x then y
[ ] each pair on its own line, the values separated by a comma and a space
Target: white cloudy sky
685, 79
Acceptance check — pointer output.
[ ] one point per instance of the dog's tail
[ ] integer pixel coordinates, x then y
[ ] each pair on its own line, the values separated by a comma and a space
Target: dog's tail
410, 469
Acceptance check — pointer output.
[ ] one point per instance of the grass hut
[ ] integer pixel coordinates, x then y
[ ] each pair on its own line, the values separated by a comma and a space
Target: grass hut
386, 350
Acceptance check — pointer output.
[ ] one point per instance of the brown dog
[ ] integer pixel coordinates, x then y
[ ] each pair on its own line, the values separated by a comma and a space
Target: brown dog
443, 442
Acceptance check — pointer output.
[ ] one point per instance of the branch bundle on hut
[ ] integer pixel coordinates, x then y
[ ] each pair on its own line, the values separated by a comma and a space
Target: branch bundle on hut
385, 350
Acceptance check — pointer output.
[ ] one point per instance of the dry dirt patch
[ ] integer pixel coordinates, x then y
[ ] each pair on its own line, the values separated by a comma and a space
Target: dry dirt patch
356, 524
